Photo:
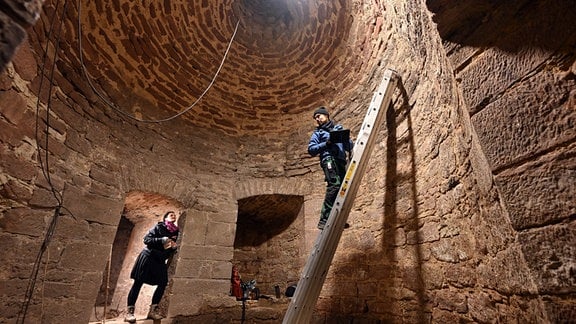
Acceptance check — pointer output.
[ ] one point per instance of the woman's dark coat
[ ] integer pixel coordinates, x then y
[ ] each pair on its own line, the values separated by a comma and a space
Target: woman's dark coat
150, 266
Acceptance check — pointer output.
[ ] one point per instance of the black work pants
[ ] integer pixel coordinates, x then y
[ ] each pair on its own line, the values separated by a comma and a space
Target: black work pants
334, 172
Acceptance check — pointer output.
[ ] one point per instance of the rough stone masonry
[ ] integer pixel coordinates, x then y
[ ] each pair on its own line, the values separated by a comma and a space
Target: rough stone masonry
466, 211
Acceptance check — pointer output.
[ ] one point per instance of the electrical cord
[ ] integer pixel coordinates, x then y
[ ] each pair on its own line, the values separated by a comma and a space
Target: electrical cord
44, 160
44, 163
45, 167
32, 281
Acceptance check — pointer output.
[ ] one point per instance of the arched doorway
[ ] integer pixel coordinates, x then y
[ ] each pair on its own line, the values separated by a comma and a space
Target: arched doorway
142, 210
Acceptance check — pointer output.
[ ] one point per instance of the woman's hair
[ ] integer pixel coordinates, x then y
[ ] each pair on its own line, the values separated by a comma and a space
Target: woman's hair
168, 213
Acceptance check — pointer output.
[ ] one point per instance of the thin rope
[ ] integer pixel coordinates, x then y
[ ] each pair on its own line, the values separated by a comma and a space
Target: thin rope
114, 107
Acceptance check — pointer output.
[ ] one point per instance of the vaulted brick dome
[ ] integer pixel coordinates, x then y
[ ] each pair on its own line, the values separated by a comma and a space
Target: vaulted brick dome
243, 66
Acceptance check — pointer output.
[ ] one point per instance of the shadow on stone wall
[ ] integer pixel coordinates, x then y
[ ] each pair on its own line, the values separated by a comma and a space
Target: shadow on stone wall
384, 294
515, 98
507, 25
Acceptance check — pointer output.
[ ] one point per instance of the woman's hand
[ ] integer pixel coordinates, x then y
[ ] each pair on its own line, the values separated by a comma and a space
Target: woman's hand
169, 244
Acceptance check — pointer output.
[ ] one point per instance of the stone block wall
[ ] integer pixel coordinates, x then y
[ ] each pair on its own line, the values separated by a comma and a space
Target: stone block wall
516, 71
453, 221
431, 240
93, 161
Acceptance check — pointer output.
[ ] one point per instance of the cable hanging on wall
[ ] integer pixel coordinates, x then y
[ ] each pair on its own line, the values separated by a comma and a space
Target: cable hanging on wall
115, 107
44, 160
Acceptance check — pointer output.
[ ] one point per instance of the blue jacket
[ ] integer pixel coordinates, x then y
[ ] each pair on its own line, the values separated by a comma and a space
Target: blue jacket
318, 146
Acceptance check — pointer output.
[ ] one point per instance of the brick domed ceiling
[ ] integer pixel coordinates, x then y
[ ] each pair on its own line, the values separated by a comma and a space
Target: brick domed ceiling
154, 59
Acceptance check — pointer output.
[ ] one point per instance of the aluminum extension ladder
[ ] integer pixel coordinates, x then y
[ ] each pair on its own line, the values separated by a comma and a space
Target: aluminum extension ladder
314, 273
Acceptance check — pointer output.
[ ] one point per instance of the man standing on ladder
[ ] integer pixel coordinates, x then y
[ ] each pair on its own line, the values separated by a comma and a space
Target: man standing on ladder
332, 143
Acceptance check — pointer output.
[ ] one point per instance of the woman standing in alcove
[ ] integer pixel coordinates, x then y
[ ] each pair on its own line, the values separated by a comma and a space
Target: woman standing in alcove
151, 265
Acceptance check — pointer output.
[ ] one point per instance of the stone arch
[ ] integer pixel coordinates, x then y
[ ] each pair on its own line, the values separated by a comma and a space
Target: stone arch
174, 185
283, 186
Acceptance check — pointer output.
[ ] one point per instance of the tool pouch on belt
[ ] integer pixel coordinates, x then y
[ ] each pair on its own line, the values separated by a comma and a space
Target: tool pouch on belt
330, 169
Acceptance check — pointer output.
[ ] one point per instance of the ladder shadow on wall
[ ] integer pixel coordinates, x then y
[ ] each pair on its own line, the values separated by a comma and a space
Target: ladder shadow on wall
379, 268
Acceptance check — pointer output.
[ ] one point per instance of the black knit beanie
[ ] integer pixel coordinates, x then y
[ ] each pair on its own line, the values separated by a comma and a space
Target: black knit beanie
321, 110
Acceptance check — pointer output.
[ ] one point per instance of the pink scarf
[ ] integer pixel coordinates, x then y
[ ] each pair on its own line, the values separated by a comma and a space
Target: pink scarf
172, 228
